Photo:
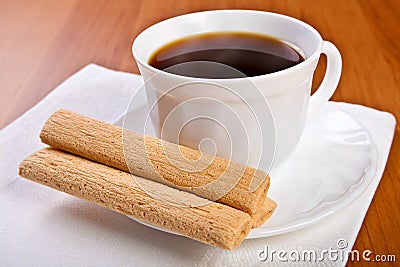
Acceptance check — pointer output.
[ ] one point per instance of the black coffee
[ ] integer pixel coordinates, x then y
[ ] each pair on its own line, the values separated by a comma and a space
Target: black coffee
225, 55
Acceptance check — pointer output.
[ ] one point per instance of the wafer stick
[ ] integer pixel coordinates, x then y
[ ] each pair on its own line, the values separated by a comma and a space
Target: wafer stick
263, 213
213, 224
151, 158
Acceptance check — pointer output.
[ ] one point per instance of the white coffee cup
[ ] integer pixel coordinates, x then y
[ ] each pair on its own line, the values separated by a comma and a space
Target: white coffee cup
262, 117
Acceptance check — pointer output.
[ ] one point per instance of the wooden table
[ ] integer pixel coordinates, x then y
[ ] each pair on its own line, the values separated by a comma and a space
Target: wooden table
43, 42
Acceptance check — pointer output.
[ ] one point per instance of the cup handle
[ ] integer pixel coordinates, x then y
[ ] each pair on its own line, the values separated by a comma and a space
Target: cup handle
331, 78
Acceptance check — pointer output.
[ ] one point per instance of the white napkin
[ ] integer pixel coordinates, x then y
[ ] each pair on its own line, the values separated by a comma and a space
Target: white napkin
43, 227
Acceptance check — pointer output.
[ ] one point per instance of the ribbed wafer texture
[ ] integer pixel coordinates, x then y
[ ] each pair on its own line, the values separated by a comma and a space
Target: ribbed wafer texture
213, 178
215, 224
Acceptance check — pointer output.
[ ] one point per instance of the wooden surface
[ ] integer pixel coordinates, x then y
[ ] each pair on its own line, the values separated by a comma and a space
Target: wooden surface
43, 42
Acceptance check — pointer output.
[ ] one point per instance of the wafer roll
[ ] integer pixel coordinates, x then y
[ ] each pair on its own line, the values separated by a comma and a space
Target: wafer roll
213, 178
263, 213
213, 224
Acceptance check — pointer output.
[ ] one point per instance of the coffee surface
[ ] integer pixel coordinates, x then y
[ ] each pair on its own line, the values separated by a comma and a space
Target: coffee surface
225, 55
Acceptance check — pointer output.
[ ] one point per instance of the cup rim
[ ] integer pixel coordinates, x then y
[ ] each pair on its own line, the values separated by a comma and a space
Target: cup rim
306, 62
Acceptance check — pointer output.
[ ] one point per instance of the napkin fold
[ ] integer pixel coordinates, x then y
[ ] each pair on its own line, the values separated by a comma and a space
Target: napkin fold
43, 227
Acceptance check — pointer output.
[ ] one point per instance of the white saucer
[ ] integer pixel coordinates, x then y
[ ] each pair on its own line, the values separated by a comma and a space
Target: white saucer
331, 167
